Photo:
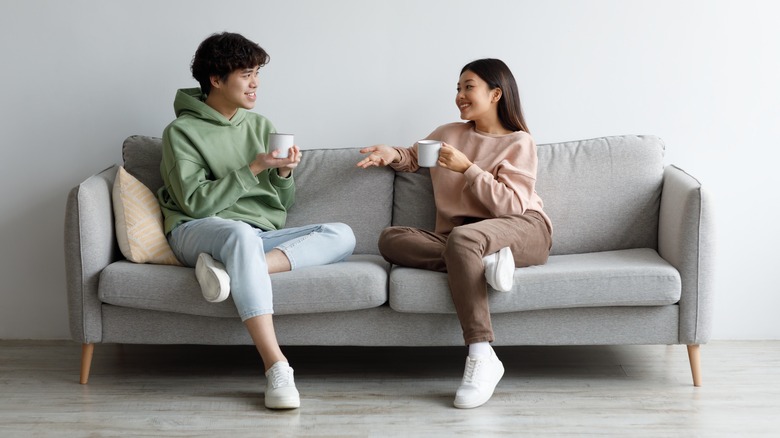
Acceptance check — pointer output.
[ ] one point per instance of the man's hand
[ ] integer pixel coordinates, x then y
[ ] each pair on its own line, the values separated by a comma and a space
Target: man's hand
283, 165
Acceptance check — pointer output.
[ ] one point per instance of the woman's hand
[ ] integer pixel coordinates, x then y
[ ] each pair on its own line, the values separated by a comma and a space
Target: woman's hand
378, 155
283, 165
453, 159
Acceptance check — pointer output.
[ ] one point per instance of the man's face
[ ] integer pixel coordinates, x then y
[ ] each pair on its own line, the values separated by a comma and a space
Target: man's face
239, 90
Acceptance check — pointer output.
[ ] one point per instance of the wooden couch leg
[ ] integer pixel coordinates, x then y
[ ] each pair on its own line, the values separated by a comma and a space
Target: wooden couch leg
86, 361
694, 357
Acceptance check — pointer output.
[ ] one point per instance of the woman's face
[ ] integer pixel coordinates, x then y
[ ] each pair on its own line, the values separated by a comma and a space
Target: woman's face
475, 99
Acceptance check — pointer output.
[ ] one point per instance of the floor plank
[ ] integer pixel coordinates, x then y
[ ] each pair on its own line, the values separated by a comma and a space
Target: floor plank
137, 390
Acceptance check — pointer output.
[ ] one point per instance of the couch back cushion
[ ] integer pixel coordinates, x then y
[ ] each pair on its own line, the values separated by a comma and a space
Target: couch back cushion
601, 194
329, 188
142, 156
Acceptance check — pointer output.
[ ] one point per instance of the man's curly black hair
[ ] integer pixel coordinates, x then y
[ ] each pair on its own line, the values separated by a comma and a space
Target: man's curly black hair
221, 54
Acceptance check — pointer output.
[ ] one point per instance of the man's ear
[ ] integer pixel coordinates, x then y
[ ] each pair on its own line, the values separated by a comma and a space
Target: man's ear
216, 81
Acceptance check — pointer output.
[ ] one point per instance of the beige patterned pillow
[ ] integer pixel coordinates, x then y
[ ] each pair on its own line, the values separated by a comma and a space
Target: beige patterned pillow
139, 223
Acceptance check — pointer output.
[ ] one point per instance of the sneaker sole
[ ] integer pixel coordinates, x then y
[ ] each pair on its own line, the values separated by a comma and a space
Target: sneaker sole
505, 262
212, 278
283, 403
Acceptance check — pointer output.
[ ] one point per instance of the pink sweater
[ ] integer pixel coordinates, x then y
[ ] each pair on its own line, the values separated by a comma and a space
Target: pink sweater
499, 183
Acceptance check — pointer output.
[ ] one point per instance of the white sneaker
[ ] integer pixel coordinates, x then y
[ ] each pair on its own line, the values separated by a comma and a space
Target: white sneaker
214, 280
500, 269
280, 391
480, 378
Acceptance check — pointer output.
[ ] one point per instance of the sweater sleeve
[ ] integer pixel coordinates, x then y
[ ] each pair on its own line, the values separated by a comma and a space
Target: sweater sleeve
510, 188
285, 187
408, 162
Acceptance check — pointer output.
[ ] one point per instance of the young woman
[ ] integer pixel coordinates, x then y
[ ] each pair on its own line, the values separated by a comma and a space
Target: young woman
225, 199
489, 217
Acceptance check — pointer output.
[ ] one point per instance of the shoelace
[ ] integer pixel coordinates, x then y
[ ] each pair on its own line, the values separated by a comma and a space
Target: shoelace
472, 368
281, 377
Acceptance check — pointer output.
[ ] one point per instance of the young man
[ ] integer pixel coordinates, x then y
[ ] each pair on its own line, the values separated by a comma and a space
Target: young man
225, 199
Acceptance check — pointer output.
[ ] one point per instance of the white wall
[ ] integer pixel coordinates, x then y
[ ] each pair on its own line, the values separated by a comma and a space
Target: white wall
80, 76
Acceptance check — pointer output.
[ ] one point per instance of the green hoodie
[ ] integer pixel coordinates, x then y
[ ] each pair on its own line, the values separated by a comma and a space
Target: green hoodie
205, 167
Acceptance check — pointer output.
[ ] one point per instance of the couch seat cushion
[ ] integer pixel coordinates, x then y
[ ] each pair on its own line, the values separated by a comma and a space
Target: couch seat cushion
358, 283
633, 277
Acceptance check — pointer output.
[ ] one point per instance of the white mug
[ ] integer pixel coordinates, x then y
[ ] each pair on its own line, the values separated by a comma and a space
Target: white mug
281, 143
428, 152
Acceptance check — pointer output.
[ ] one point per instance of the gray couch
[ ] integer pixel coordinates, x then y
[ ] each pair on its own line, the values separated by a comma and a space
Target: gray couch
630, 262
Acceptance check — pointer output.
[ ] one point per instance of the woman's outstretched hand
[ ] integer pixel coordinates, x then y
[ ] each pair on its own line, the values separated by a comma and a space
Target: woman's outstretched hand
378, 155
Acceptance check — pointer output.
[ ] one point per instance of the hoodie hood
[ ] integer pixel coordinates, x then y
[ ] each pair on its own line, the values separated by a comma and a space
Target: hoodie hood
191, 102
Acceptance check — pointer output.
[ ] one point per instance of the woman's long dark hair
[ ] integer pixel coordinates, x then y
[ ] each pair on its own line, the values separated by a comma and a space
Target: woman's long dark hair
498, 75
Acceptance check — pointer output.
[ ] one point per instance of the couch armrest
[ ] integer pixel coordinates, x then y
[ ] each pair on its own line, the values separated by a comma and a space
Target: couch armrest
90, 246
686, 240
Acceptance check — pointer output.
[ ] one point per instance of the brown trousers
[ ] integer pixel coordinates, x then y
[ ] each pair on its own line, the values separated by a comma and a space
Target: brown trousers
460, 254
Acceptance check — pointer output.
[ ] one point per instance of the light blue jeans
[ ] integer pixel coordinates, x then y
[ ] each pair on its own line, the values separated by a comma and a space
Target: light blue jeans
242, 248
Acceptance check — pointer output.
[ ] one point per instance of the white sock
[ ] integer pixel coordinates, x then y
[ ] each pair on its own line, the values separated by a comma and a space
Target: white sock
480, 349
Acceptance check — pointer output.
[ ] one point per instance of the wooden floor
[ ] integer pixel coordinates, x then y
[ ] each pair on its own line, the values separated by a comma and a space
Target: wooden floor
364, 392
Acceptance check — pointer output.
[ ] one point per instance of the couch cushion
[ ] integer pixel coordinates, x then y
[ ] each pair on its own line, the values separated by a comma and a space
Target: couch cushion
602, 194
329, 187
413, 204
142, 156
358, 283
633, 277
